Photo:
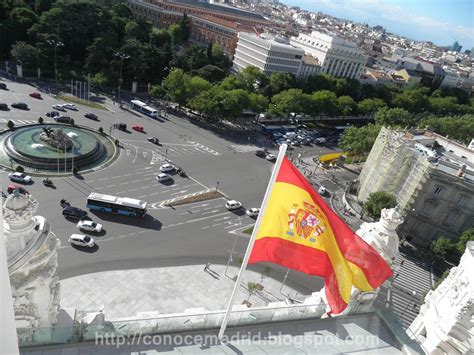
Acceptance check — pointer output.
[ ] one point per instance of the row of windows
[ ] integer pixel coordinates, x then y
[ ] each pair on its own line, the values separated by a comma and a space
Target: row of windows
461, 199
337, 67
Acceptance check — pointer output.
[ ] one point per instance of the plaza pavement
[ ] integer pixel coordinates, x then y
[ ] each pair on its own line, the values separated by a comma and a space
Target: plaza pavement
123, 294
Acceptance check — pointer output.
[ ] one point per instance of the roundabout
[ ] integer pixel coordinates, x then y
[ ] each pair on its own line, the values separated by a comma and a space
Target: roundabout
56, 149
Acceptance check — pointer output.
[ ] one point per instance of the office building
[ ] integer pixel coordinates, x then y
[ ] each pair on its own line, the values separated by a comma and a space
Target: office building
266, 53
338, 57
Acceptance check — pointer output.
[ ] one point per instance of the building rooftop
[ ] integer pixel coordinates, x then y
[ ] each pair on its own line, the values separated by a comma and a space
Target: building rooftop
267, 41
219, 8
447, 155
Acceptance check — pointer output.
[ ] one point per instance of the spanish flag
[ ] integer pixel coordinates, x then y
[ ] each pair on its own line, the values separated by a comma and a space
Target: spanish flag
299, 231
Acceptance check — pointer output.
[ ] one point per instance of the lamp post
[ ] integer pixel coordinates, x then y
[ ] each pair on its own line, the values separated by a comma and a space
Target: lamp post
122, 56
56, 44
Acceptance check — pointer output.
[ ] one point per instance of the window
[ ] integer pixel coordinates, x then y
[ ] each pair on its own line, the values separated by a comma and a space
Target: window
451, 218
428, 208
437, 190
462, 200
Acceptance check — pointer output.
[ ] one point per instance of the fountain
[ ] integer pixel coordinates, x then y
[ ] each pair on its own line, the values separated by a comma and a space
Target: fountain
55, 147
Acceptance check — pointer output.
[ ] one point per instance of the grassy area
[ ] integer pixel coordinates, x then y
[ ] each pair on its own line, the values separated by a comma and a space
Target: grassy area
248, 230
82, 102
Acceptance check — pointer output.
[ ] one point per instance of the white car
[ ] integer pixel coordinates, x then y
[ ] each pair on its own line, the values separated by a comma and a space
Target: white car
163, 177
252, 212
70, 106
233, 205
270, 157
166, 167
89, 226
59, 107
321, 190
19, 177
81, 240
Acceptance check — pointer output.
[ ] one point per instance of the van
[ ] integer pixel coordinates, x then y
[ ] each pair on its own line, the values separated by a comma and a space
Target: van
74, 212
3, 107
233, 205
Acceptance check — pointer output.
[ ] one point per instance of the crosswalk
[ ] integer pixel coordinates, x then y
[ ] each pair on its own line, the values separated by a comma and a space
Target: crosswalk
241, 148
17, 122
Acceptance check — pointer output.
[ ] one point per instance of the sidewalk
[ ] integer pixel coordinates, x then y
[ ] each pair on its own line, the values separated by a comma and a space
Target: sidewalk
125, 293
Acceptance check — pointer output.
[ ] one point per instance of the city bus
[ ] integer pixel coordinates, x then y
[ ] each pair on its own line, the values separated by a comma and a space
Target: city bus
119, 205
142, 107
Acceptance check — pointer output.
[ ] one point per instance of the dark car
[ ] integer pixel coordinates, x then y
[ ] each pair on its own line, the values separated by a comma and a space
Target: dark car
20, 105
261, 153
3, 107
3, 86
91, 116
153, 140
63, 119
120, 126
52, 114
74, 212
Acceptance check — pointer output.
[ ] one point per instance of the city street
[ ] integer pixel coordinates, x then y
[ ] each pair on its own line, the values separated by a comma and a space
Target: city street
185, 235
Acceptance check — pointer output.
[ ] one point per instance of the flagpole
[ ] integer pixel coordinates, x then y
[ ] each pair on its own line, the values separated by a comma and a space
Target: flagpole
276, 169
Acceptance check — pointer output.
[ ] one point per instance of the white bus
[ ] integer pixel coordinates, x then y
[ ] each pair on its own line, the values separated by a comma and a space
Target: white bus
143, 108
119, 205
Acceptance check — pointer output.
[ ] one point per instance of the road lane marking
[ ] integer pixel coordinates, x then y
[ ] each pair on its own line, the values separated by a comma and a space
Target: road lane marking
206, 227
215, 225
220, 219
213, 211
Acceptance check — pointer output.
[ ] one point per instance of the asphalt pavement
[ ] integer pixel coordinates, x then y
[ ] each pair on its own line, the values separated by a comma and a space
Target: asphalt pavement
185, 235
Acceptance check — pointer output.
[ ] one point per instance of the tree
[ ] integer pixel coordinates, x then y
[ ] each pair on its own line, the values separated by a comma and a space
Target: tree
42, 6
324, 102
252, 79
345, 105
231, 103
370, 106
20, 169
252, 288
278, 82
10, 124
40, 120
22, 18
458, 128
211, 73
467, 236
360, 140
101, 130
258, 102
412, 100
176, 85
377, 201
394, 117
26, 53
318, 83
160, 38
443, 248
219, 58
195, 86
443, 105
289, 101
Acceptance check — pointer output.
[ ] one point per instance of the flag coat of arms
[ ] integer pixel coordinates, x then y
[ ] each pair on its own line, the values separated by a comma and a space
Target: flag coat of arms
299, 231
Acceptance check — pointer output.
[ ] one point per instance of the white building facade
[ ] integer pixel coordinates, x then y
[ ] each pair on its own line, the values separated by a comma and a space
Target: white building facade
338, 57
267, 54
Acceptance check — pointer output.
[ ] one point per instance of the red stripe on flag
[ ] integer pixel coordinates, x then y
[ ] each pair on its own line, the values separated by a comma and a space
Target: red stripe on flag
354, 248
301, 258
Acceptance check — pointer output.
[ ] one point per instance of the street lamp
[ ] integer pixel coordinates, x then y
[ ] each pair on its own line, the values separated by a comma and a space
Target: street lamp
122, 56
56, 44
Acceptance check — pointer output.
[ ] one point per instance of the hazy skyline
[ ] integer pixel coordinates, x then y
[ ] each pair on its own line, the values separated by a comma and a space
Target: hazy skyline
439, 21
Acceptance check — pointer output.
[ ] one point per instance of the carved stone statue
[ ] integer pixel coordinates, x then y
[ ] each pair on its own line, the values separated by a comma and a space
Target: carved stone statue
445, 322
56, 138
32, 262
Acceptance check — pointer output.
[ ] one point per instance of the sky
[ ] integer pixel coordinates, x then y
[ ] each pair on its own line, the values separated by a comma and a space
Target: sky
439, 21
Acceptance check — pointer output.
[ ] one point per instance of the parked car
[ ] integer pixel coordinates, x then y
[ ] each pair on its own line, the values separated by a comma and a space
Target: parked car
322, 190
91, 116
3, 107
138, 128
82, 240
233, 205
252, 212
261, 153
3, 86
63, 119
20, 189
59, 107
52, 114
36, 95
120, 126
20, 105
74, 212
20, 177
163, 177
166, 167
153, 140
70, 106
89, 226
